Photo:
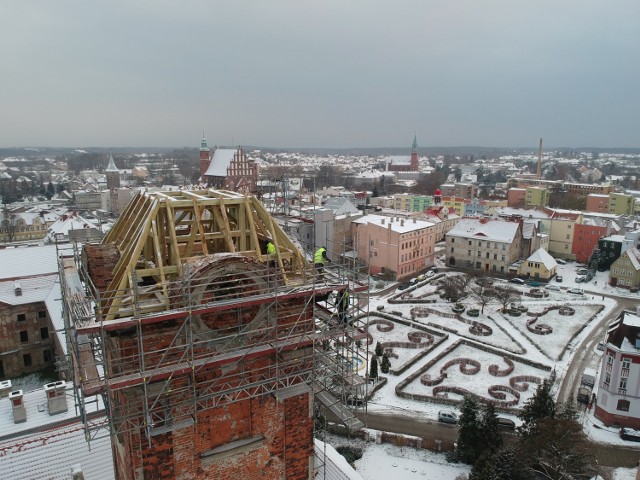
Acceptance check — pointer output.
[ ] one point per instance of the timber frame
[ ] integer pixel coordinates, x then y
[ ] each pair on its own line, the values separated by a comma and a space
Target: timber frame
159, 231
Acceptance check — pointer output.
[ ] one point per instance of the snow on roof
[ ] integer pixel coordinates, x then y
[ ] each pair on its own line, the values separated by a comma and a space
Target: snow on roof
399, 160
28, 261
69, 222
32, 290
51, 454
399, 225
634, 257
485, 229
53, 302
631, 320
220, 160
333, 466
614, 238
524, 212
542, 256
38, 418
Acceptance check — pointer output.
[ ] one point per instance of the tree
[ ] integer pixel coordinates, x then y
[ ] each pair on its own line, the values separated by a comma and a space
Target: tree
539, 407
505, 464
373, 370
379, 350
385, 364
506, 295
483, 292
469, 433
454, 287
489, 429
558, 449
51, 191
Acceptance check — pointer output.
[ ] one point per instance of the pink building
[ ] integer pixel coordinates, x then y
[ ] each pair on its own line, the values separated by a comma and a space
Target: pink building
516, 197
597, 202
401, 247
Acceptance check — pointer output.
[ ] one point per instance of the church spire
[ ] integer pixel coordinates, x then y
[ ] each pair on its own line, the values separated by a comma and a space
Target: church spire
414, 145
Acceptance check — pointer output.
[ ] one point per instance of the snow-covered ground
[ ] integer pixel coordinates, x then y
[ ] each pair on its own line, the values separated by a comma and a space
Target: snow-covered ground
532, 355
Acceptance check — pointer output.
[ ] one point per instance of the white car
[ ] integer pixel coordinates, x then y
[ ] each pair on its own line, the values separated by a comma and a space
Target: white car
447, 417
576, 291
553, 287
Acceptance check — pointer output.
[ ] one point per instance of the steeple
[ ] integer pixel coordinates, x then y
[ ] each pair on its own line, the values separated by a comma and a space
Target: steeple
112, 165
203, 144
205, 159
414, 154
113, 174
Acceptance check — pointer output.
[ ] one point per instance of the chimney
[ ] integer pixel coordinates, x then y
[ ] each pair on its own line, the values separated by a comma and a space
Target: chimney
383, 221
5, 388
414, 219
56, 397
17, 288
17, 406
77, 473
402, 223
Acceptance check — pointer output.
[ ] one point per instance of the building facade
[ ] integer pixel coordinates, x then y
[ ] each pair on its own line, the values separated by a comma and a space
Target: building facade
536, 197
625, 270
618, 401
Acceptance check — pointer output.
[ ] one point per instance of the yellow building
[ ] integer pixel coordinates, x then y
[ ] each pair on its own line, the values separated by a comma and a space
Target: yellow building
536, 197
457, 203
621, 204
540, 265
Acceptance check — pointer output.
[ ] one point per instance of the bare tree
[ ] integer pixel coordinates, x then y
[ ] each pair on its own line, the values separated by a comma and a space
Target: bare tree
506, 295
455, 287
484, 293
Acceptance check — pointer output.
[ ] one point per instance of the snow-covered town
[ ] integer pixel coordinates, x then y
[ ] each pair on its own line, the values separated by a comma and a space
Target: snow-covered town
445, 278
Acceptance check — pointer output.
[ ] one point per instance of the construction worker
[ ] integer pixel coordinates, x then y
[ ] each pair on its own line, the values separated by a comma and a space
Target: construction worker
343, 306
318, 261
271, 251
271, 248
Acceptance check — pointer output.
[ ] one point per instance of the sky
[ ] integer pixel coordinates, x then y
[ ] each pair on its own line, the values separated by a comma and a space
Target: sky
334, 73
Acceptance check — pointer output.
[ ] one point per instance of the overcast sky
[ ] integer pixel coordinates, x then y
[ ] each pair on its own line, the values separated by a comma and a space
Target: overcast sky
343, 73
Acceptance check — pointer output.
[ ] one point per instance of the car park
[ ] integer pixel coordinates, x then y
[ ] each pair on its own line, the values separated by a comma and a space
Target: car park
553, 287
558, 278
445, 416
517, 281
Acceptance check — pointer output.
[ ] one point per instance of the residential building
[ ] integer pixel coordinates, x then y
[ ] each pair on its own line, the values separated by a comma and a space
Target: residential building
456, 203
399, 247
587, 234
460, 189
483, 244
474, 207
516, 197
536, 196
625, 270
610, 249
27, 336
597, 202
619, 379
88, 200
539, 266
621, 204
443, 218
412, 203
560, 226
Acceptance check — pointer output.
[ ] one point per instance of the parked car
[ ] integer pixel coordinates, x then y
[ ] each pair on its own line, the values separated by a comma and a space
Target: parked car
445, 416
583, 271
506, 424
553, 287
630, 434
404, 286
534, 283
581, 279
560, 261
600, 347
517, 281
576, 291
558, 278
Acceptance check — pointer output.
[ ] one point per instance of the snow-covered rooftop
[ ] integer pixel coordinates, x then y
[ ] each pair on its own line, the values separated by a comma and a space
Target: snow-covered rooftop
219, 162
31, 290
542, 256
485, 229
42, 260
399, 225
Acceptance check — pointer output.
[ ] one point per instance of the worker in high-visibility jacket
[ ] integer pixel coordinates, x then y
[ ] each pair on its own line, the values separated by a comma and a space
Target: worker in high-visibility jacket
271, 251
318, 261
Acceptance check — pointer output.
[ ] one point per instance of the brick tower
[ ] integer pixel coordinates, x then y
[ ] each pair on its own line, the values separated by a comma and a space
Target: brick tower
205, 158
205, 346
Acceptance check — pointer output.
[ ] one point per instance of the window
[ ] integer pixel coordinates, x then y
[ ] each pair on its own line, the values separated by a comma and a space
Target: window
610, 358
42, 314
451, 249
626, 363
24, 336
623, 384
26, 359
22, 317
623, 405
607, 379
46, 356
44, 332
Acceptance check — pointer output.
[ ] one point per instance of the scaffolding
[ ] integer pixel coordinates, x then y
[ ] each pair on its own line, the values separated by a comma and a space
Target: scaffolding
176, 310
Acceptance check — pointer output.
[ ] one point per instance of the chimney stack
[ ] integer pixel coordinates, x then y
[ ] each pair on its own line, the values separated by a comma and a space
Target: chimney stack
17, 406
56, 397
5, 388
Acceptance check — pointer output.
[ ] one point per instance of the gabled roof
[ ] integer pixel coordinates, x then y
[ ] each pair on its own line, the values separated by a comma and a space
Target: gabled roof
28, 261
496, 230
634, 257
542, 256
220, 161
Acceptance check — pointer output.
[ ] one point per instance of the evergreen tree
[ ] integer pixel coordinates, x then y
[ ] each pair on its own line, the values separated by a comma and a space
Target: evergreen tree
373, 370
567, 411
469, 435
489, 429
538, 407
379, 350
504, 464
51, 191
385, 365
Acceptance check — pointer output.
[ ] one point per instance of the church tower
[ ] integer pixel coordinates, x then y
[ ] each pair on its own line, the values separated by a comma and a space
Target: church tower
205, 159
414, 154
113, 174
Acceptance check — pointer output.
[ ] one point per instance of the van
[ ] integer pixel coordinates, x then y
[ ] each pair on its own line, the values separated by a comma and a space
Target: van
447, 417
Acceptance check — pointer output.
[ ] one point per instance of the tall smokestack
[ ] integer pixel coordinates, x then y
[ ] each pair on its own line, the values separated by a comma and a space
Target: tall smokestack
540, 159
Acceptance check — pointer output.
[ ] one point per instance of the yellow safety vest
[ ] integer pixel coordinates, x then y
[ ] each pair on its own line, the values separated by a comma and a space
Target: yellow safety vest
271, 248
318, 258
